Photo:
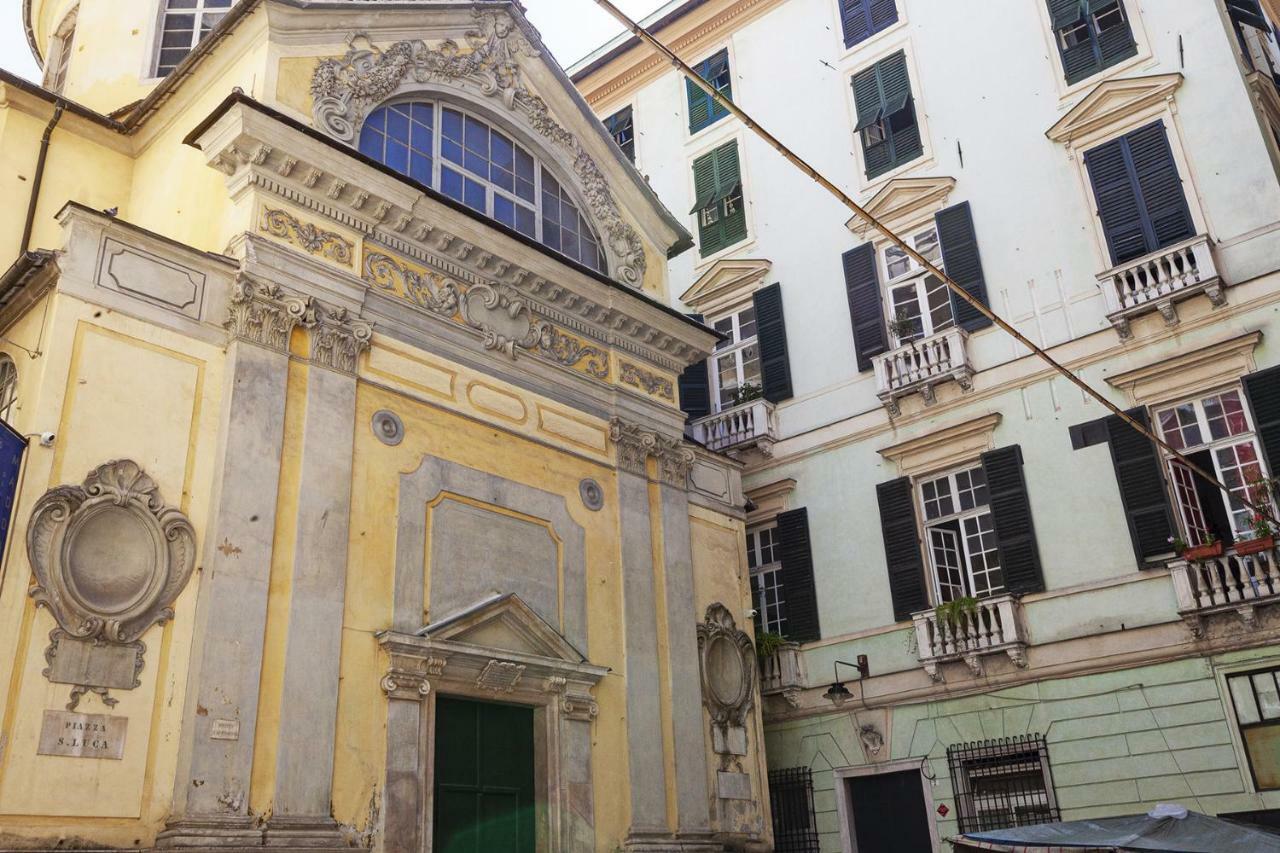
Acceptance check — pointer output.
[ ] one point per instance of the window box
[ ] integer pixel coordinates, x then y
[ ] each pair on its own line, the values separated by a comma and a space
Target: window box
1255, 546
783, 674
1203, 552
752, 424
993, 627
1233, 582
1156, 281
921, 365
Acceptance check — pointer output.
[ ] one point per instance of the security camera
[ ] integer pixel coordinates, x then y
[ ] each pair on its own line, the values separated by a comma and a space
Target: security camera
47, 438
752, 613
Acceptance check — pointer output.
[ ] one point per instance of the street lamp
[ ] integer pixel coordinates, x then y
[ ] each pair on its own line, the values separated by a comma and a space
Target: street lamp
837, 693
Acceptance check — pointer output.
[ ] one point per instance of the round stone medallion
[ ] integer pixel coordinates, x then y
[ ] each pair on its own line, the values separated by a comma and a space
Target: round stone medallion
724, 670
592, 495
388, 427
112, 562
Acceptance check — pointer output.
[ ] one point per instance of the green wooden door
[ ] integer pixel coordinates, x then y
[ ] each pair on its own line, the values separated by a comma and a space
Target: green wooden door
484, 798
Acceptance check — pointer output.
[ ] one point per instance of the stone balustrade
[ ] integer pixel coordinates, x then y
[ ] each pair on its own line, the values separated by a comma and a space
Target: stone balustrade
1156, 281
751, 424
993, 627
783, 673
919, 366
1229, 583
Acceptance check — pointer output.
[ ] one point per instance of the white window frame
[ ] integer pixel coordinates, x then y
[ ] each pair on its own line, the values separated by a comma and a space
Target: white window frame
735, 348
439, 163
1188, 523
200, 10
55, 78
766, 576
917, 277
8, 388
961, 518
1067, 91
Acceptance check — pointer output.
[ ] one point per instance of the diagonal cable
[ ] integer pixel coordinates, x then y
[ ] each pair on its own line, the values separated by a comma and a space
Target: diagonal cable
797, 161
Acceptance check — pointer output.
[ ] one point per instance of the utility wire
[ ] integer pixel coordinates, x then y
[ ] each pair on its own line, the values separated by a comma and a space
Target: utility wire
795, 159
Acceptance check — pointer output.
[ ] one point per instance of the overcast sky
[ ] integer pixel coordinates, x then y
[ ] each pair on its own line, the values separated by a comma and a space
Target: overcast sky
571, 28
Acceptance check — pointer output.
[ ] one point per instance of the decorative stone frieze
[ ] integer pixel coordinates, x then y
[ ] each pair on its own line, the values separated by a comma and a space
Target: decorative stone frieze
345, 90
500, 676
306, 236
728, 664
110, 558
647, 381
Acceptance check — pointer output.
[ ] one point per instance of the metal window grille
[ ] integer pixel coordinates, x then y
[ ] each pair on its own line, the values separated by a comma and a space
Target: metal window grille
795, 827
1002, 783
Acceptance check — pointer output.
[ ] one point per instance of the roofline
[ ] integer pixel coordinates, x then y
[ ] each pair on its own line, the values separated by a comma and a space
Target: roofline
8, 78
624, 41
31, 33
435, 195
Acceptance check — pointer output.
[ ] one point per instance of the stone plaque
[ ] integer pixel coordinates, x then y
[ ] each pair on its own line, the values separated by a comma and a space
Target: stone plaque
75, 661
225, 730
82, 735
733, 786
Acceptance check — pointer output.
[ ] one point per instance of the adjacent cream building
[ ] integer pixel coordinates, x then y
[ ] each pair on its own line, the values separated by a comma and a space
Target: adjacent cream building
929, 500
350, 504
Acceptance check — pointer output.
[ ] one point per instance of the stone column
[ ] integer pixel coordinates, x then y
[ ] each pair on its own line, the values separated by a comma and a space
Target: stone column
309, 708
644, 712
216, 753
694, 818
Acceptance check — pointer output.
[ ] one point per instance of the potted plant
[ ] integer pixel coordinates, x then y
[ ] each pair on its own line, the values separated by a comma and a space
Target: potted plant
954, 612
768, 643
902, 326
1261, 492
747, 392
1211, 547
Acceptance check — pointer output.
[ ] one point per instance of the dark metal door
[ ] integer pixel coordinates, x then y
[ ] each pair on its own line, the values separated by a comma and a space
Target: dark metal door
484, 792
889, 814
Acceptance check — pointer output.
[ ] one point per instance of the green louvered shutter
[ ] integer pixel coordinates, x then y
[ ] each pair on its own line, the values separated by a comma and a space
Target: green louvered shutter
1011, 515
1116, 43
902, 553
729, 184
703, 110
710, 236
1142, 491
796, 555
899, 109
695, 385
962, 262
866, 310
1249, 13
1263, 392
1119, 208
869, 102
1095, 49
1161, 186
771, 335
699, 106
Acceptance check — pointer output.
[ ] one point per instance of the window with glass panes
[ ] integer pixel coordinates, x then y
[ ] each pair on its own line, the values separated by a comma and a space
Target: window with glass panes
1214, 431
474, 163
621, 127
919, 302
735, 367
960, 535
1256, 697
1092, 35
8, 388
184, 24
767, 594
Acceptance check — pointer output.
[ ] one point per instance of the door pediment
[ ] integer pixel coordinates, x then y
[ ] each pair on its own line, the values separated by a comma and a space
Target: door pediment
504, 623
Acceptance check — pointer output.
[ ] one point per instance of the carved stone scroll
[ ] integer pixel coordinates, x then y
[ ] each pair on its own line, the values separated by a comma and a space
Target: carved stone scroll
109, 558
728, 664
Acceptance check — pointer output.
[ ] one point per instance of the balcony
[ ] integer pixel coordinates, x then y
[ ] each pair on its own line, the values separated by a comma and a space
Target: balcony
1157, 281
750, 425
1229, 583
920, 366
993, 627
783, 674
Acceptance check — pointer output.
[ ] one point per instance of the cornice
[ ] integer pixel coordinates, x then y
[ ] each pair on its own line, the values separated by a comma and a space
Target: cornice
1110, 102
1175, 376
645, 62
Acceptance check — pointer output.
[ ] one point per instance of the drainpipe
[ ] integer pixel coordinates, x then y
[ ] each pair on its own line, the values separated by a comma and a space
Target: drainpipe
59, 106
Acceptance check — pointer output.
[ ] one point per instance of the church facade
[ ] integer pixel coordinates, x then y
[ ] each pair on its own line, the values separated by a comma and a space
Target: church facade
350, 505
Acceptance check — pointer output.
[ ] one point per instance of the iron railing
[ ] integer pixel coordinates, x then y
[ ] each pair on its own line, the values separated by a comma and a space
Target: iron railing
795, 826
1002, 783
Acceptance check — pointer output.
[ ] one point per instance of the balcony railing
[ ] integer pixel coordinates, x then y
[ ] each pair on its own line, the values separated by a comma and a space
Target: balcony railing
919, 366
1229, 583
993, 627
1155, 282
752, 424
783, 674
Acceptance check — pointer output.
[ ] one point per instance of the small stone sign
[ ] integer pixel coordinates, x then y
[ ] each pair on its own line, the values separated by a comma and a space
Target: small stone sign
733, 786
225, 730
82, 735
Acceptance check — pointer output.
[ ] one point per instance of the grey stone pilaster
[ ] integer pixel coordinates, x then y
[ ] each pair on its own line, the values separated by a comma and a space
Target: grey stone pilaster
406, 818
216, 753
694, 817
308, 712
644, 713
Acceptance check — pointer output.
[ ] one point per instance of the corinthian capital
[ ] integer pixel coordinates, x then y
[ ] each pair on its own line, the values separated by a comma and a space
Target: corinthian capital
337, 339
264, 314
636, 444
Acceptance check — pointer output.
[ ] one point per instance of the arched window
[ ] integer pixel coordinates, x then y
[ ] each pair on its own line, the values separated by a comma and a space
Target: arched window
8, 388
468, 160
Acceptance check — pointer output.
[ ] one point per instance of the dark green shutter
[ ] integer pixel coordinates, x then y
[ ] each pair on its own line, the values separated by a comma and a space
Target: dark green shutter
1097, 49
869, 100
902, 553
1116, 194
883, 93
1262, 389
695, 386
1011, 514
1161, 186
1142, 487
703, 110
1249, 13
1065, 12
771, 336
866, 310
796, 556
716, 177
963, 263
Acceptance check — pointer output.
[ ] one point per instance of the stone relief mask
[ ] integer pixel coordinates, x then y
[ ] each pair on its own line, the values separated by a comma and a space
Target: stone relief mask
109, 558
728, 662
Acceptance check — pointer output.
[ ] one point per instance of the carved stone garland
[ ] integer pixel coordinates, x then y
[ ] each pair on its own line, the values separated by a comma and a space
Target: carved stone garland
345, 90
728, 663
109, 558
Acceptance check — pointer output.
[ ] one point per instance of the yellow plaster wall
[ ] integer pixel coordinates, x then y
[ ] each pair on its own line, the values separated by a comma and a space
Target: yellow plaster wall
517, 452
112, 388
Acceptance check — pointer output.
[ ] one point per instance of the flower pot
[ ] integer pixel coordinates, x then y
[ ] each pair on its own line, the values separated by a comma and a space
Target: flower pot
1204, 552
1253, 546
